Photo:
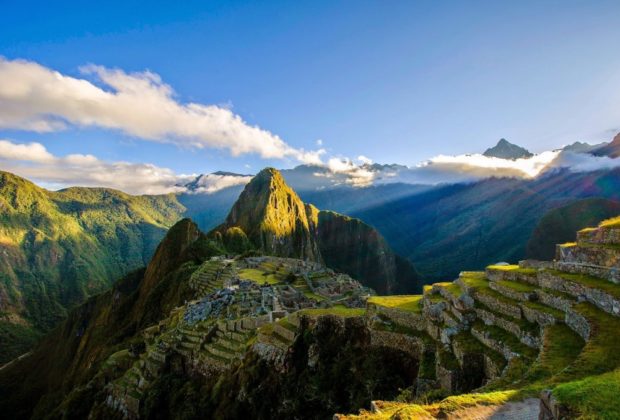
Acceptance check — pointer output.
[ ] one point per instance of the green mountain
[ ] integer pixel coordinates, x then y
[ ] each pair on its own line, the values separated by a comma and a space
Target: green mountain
559, 225
59, 248
270, 217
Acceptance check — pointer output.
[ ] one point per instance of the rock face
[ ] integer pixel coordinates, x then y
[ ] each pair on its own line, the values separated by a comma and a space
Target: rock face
611, 150
351, 246
506, 150
277, 222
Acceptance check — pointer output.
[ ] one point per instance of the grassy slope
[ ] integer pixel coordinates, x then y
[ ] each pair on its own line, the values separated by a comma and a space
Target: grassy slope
58, 248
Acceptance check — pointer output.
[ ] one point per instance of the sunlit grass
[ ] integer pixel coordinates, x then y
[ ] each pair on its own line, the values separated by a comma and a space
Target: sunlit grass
258, 276
409, 303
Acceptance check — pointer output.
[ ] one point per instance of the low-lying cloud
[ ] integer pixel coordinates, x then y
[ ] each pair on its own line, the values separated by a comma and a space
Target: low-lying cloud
444, 169
211, 183
36, 98
34, 162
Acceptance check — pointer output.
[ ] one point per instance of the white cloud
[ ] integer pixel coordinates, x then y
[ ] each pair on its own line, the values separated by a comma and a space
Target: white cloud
581, 162
34, 152
211, 183
36, 98
34, 162
319, 142
364, 160
349, 172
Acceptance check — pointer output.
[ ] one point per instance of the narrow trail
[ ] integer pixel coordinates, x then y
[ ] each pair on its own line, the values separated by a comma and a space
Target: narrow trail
528, 409
15, 360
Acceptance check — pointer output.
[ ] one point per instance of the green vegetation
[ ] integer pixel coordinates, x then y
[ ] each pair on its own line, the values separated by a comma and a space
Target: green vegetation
595, 397
513, 268
613, 223
62, 247
339, 310
453, 288
409, 303
517, 286
259, 276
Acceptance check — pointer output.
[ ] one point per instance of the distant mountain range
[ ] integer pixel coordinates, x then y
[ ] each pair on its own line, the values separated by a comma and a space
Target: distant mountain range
348, 175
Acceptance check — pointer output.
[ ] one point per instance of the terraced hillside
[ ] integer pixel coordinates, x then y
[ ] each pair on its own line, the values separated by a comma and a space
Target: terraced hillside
269, 337
539, 337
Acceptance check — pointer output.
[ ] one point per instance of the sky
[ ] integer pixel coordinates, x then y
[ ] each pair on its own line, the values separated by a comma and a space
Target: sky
122, 91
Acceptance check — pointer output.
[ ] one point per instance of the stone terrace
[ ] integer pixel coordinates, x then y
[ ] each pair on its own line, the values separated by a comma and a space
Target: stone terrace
487, 329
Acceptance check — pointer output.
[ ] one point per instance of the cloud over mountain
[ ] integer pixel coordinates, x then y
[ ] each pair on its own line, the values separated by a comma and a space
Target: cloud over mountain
36, 98
33, 161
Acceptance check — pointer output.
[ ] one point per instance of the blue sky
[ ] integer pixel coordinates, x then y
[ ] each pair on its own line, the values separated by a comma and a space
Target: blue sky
393, 81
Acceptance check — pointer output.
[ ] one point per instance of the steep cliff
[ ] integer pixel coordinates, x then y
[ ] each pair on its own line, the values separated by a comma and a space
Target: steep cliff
352, 246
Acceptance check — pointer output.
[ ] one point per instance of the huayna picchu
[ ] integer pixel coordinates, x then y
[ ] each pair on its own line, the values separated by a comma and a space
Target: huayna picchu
203, 333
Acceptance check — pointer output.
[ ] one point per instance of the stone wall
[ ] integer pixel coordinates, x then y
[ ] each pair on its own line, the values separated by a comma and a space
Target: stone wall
554, 301
597, 297
599, 236
540, 317
493, 344
511, 293
498, 306
590, 255
511, 275
578, 323
415, 321
525, 337
411, 345
611, 274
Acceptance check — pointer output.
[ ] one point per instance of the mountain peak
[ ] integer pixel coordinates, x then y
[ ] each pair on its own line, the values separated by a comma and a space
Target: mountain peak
274, 218
506, 150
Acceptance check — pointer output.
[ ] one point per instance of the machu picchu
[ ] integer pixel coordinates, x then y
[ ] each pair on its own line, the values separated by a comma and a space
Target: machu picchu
234, 323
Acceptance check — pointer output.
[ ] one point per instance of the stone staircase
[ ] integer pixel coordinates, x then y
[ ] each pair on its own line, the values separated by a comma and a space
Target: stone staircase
229, 342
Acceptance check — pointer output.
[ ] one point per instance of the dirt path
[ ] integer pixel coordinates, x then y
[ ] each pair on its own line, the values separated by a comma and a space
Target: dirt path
15, 360
520, 410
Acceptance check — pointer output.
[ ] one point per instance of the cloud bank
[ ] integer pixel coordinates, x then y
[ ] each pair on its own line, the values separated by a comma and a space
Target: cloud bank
36, 98
445, 169
34, 162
